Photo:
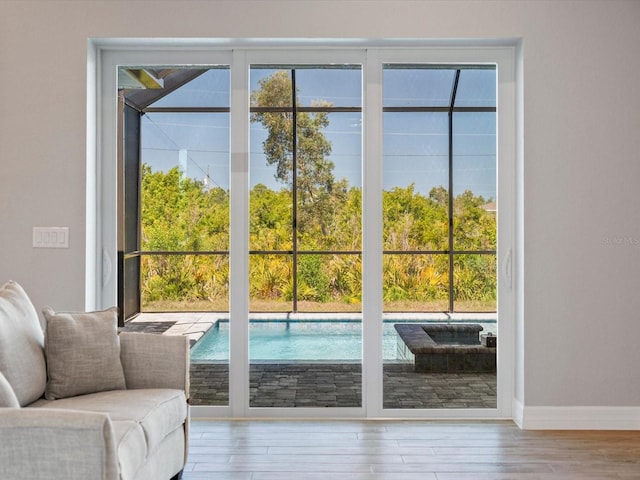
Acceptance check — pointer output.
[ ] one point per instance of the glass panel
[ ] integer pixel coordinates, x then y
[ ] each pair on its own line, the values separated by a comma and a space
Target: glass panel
416, 217
474, 180
476, 88
270, 283
211, 89
329, 194
305, 359
185, 283
415, 282
184, 202
417, 87
475, 283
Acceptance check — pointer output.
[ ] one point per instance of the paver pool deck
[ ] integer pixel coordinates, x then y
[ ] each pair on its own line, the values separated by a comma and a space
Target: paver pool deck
320, 384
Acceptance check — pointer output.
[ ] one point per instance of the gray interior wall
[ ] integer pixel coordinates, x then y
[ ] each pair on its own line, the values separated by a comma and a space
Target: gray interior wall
580, 124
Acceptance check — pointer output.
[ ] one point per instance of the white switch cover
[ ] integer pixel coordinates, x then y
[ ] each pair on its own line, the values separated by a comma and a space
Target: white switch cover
51, 237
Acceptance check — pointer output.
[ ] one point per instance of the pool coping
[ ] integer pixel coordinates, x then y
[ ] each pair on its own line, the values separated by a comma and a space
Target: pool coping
195, 324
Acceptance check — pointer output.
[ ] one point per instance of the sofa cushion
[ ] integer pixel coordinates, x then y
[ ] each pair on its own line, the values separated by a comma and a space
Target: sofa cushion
8, 397
21, 344
82, 352
159, 411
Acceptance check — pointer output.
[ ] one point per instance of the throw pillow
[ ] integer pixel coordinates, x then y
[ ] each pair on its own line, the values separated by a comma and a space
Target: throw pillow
7, 396
82, 352
21, 344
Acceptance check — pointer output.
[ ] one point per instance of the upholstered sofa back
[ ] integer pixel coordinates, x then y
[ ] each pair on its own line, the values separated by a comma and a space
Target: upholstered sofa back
22, 360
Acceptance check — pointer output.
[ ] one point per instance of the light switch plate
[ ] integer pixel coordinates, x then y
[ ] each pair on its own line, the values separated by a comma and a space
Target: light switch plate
51, 237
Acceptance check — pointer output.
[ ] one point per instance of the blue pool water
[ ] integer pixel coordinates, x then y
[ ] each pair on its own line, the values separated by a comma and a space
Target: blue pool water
296, 341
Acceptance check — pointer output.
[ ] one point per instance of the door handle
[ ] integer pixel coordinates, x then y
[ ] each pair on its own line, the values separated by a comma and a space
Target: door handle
107, 268
507, 268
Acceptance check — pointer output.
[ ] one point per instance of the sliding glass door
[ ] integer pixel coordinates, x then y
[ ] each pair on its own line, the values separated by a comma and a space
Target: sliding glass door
439, 236
176, 212
338, 222
305, 230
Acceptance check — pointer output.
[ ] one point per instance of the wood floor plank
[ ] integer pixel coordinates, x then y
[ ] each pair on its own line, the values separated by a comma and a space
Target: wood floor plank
353, 449
523, 476
343, 476
217, 476
462, 467
301, 469
372, 459
312, 441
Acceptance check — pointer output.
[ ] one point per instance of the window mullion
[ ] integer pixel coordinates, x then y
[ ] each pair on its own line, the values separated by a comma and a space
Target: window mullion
239, 233
372, 236
294, 187
452, 103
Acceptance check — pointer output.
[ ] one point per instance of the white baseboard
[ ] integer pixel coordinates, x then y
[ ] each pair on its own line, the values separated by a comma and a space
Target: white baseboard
576, 418
518, 412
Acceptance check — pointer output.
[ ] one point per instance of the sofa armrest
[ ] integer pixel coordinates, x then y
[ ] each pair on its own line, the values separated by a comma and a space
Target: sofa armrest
56, 444
155, 361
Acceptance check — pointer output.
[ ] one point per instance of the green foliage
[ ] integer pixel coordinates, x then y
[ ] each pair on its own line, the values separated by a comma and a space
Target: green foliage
419, 278
313, 281
271, 219
271, 277
180, 214
413, 221
473, 227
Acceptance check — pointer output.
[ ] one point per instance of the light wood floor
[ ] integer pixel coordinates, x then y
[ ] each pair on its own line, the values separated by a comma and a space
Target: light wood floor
405, 450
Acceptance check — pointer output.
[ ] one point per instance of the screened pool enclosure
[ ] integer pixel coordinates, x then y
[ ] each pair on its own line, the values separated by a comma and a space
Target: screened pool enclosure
309, 228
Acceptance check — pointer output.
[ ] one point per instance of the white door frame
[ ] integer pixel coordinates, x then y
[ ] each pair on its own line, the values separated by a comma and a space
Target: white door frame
102, 181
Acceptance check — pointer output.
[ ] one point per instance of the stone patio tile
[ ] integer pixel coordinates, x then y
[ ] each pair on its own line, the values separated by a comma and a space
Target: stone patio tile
324, 384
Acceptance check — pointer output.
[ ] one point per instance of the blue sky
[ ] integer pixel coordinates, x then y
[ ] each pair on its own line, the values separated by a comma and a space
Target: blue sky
415, 145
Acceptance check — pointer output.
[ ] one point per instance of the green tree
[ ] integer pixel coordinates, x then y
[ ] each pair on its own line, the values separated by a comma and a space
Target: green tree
271, 219
473, 226
318, 192
413, 221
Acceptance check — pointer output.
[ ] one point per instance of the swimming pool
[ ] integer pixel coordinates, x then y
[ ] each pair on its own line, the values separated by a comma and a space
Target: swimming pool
300, 340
